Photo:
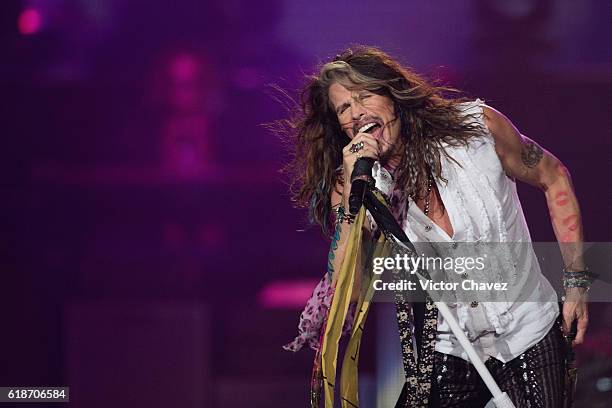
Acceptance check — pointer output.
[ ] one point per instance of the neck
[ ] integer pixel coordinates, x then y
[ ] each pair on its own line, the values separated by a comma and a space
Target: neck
392, 164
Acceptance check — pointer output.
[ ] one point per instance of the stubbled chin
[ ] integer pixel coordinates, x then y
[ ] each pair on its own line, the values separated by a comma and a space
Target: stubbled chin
388, 153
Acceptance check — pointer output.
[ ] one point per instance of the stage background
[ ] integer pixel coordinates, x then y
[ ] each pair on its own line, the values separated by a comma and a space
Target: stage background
150, 253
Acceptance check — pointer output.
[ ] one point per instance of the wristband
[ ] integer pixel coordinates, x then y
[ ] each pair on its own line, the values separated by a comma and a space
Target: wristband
577, 279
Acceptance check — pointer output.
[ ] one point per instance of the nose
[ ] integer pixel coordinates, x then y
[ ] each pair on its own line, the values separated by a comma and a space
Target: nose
357, 109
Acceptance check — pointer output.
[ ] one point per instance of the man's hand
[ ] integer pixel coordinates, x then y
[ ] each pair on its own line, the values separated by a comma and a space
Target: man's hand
575, 308
370, 149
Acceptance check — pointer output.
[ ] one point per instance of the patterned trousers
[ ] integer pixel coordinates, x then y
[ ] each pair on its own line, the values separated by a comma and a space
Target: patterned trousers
532, 380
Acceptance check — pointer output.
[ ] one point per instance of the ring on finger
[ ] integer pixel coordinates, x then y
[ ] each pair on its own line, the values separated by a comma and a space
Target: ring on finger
355, 147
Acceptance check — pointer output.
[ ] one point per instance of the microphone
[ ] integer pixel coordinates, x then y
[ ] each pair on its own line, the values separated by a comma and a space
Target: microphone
361, 178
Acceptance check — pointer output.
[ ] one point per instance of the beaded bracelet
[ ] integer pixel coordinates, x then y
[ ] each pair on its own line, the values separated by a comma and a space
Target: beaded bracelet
576, 283
577, 279
342, 215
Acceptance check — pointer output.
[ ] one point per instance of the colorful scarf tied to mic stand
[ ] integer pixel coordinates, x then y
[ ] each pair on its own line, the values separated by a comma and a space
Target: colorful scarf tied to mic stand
419, 321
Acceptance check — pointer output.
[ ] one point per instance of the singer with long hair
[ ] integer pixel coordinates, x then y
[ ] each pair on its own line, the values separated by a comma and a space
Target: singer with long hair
447, 166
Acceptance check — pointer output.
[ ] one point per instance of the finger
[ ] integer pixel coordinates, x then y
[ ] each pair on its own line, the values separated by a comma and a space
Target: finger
583, 322
366, 152
568, 318
367, 144
373, 143
565, 325
367, 139
369, 152
365, 136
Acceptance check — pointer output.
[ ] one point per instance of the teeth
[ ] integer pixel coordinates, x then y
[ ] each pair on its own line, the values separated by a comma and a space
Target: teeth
367, 127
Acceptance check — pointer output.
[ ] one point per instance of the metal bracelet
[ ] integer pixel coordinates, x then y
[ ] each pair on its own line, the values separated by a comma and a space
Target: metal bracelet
583, 271
577, 279
576, 283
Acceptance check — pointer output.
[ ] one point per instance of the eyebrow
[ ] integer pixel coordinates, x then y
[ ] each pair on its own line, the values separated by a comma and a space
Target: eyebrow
348, 103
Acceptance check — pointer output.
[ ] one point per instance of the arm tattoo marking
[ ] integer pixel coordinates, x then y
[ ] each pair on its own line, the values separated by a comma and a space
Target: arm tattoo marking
531, 154
332, 248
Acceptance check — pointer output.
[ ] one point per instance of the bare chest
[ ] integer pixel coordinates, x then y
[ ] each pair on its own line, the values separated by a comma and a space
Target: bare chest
437, 212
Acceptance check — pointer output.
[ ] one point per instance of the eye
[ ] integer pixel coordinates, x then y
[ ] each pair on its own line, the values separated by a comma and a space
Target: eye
342, 108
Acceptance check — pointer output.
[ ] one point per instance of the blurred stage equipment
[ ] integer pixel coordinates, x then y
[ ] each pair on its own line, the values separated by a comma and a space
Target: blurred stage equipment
186, 144
138, 354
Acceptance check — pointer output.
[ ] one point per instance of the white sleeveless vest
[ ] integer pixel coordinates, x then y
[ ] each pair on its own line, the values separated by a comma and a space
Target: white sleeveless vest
483, 207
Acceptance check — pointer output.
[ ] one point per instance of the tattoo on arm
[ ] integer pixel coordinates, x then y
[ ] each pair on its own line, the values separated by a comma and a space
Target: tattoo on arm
332, 248
531, 154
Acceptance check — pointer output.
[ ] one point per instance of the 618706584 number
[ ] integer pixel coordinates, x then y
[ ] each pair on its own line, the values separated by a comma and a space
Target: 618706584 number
33, 394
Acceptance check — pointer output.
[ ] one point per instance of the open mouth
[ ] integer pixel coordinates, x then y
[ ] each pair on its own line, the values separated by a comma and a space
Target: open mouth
369, 127
372, 128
